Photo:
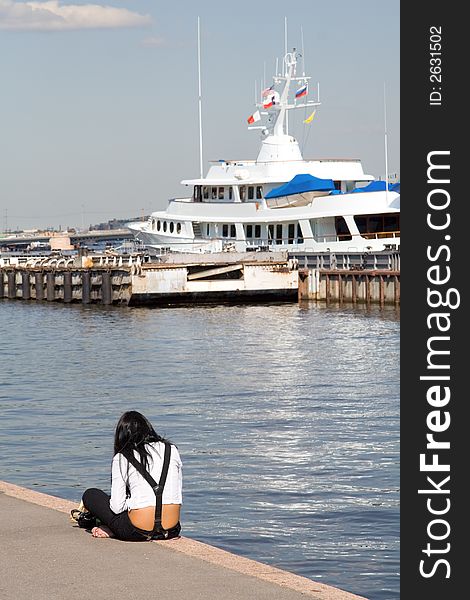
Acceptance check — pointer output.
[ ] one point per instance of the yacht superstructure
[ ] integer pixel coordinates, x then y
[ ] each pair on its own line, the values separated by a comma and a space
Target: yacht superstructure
327, 204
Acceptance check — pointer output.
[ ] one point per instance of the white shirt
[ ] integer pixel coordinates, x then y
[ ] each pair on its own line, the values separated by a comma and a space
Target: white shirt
142, 494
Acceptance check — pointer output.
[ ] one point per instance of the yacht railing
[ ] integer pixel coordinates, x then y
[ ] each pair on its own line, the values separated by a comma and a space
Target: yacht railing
380, 235
325, 238
341, 237
289, 241
217, 201
182, 199
354, 261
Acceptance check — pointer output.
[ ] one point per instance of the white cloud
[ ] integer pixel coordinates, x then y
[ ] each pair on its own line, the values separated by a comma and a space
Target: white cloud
53, 15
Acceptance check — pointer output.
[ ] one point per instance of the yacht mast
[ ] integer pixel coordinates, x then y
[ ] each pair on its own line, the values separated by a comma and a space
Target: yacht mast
285, 43
201, 168
286, 68
386, 145
275, 104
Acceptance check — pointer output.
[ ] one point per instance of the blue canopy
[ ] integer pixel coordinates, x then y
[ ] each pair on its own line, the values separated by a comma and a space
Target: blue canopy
374, 186
300, 184
378, 186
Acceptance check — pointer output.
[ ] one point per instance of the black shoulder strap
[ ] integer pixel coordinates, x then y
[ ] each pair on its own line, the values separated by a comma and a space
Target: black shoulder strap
157, 487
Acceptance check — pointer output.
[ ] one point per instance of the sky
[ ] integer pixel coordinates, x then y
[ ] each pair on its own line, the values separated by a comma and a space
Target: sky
99, 98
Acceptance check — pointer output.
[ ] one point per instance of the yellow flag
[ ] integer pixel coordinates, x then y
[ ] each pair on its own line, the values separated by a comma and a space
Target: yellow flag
310, 118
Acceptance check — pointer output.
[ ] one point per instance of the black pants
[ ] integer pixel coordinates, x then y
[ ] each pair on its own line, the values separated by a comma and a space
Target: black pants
97, 502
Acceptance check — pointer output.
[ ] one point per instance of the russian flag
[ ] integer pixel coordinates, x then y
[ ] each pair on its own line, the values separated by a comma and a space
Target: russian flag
301, 92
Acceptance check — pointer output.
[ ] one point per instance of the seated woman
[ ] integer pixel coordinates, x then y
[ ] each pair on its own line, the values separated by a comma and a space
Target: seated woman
129, 513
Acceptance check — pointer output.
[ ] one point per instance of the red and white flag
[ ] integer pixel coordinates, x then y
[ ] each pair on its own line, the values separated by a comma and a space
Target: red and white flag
254, 117
271, 100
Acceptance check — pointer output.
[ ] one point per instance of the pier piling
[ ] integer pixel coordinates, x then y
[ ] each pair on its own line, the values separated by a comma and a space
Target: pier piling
67, 287
25, 285
39, 285
86, 287
11, 284
106, 288
371, 286
50, 286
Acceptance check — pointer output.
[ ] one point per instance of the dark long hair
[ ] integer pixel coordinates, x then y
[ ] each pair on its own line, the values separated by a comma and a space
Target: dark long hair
133, 431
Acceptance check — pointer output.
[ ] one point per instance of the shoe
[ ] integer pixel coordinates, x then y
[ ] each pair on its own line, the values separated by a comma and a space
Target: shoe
75, 512
83, 518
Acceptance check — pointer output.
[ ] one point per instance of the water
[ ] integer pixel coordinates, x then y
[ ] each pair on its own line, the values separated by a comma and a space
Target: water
286, 417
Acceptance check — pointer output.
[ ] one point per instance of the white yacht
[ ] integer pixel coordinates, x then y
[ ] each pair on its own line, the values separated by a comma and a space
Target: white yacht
279, 201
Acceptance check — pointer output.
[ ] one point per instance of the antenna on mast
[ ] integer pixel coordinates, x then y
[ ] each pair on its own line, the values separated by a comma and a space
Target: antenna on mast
286, 68
201, 170
386, 145
285, 44
303, 50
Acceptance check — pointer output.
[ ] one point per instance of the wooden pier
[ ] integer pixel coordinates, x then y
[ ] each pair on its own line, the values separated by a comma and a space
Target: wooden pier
353, 286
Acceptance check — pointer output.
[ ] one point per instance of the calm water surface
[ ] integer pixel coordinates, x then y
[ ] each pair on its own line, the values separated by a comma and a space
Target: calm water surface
286, 417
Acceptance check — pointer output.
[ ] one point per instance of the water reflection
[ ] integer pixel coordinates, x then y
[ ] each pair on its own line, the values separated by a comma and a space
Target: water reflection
286, 418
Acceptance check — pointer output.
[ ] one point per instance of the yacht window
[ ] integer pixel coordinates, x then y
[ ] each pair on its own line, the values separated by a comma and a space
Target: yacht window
342, 230
259, 192
375, 224
230, 192
371, 225
221, 193
337, 185
153, 223
249, 231
361, 222
279, 234
251, 192
164, 225
207, 230
214, 193
242, 189
291, 233
178, 227
270, 234
158, 225
232, 231
172, 226
205, 191
300, 237
197, 193
225, 230
257, 231
392, 223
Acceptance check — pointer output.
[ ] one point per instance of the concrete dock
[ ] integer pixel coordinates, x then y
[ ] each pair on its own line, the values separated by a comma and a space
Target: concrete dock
44, 556
135, 280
